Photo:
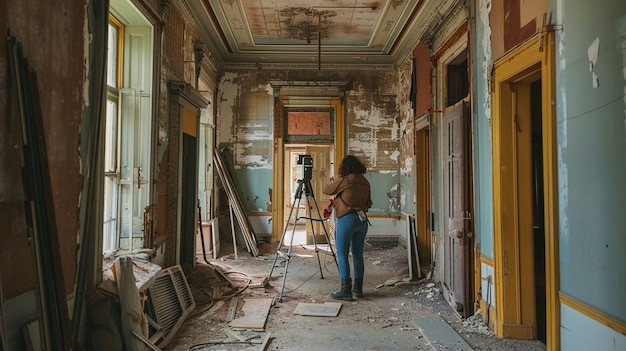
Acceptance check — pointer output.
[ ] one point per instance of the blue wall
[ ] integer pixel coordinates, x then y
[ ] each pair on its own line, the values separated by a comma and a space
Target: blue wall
481, 114
591, 136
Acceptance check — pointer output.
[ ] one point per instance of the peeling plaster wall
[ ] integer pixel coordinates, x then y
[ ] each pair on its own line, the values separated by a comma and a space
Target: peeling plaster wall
483, 193
591, 137
244, 119
407, 139
373, 128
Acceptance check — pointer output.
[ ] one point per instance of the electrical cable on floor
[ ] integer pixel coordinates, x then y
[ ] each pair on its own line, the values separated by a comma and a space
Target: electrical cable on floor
195, 347
309, 278
237, 292
240, 289
201, 310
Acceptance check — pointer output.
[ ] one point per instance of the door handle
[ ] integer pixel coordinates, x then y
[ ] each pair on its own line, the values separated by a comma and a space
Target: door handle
459, 234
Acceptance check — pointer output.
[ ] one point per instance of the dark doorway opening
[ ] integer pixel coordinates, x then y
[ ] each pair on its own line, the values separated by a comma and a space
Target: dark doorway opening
538, 210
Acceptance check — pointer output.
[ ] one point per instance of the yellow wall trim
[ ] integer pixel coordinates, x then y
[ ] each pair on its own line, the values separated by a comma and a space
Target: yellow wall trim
486, 260
385, 215
593, 313
515, 331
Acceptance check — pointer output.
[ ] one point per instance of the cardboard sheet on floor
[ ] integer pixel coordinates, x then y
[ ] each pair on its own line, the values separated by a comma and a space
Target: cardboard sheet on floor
255, 313
326, 309
440, 334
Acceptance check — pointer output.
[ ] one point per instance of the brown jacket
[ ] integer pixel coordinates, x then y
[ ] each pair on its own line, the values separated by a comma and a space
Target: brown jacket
352, 193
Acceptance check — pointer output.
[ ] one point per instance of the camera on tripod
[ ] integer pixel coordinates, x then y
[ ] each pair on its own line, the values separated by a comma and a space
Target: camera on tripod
306, 162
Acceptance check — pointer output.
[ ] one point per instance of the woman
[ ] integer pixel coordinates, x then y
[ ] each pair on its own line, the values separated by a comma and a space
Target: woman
351, 202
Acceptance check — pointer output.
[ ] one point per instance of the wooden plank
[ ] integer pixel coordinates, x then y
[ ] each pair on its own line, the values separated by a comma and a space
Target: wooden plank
440, 334
232, 228
255, 314
146, 341
266, 341
215, 236
40, 215
415, 271
242, 219
326, 309
232, 308
235, 335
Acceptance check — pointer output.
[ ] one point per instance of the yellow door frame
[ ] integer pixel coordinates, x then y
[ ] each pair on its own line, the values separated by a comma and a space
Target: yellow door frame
278, 173
514, 282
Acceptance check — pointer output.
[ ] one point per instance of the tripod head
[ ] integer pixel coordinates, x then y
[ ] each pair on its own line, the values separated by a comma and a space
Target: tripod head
306, 162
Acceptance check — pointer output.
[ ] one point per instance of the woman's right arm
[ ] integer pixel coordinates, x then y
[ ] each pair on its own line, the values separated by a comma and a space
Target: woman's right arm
333, 188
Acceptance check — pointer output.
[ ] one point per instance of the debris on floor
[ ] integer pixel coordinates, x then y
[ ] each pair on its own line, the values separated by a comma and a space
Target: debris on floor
383, 319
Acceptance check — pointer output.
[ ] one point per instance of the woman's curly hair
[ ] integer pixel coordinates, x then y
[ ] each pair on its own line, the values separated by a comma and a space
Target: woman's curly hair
351, 164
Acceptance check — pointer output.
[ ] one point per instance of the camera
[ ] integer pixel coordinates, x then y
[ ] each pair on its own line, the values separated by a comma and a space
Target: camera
306, 162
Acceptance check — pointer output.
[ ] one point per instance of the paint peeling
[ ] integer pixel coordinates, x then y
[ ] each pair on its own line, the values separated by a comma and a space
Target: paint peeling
592, 56
225, 117
395, 131
485, 10
372, 132
394, 156
393, 196
407, 163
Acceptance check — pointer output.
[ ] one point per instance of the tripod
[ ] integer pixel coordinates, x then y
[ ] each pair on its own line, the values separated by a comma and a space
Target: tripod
304, 186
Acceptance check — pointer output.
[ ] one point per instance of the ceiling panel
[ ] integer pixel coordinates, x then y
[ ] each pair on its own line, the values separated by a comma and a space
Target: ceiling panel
334, 32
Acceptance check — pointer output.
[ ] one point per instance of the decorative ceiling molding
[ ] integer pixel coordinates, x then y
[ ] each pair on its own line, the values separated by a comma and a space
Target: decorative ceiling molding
210, 49
283, 34
448, 26
420, 25
273, 34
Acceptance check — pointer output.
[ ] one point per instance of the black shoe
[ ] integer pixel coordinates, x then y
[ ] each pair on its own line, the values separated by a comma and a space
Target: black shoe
345, 294
357, 288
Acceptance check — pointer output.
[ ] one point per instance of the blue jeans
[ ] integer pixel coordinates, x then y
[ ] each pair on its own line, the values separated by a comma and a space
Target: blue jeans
350, 233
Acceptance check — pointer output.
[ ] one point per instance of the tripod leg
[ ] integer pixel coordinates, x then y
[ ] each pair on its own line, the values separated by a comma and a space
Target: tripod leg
326, 236
317, 251
296, 203
288, 256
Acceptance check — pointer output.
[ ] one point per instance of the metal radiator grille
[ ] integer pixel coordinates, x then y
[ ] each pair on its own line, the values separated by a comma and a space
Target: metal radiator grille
169, 302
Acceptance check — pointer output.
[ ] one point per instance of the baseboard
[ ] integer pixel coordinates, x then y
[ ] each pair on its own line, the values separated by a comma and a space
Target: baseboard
382, 241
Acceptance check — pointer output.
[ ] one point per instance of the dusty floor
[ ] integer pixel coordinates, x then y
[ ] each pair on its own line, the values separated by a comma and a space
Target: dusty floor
382, 320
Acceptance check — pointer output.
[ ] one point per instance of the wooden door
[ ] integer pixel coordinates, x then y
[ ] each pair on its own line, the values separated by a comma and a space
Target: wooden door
423, 195
457, 237
318, 200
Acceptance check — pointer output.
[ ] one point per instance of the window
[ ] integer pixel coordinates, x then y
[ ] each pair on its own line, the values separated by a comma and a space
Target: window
128, 126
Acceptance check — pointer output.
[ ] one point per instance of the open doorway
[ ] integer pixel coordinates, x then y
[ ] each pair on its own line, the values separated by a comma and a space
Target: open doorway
539, 236
525, 235
307, 131
304, 130
303, 230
